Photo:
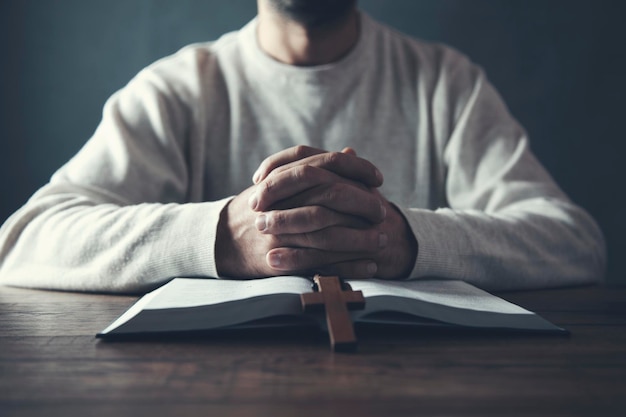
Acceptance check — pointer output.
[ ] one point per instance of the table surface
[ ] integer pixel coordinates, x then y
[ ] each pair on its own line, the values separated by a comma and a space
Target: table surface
52, 365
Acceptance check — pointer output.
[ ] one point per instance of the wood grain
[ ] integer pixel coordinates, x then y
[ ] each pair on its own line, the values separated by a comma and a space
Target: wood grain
52, 365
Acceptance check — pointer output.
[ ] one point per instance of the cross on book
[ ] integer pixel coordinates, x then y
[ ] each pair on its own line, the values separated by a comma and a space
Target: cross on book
335, 300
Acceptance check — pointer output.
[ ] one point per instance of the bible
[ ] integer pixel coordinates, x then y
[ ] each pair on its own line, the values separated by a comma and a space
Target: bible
196, 305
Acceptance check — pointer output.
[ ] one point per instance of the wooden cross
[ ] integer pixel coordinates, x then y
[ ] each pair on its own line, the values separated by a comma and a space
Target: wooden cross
332, 298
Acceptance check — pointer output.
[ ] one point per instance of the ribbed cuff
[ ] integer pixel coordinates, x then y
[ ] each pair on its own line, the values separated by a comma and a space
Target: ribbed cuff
437, 242
193, 235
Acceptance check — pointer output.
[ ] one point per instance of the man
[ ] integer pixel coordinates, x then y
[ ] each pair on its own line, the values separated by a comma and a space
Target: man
147, 198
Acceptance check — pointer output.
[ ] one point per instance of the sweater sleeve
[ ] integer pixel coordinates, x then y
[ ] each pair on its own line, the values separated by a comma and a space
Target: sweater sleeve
507, 225
117, 217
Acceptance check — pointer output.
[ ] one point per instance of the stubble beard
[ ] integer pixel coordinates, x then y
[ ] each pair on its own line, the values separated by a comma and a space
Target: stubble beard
314, 13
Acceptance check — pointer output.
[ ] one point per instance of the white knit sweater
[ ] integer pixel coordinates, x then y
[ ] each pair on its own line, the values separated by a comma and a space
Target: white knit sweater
140, 203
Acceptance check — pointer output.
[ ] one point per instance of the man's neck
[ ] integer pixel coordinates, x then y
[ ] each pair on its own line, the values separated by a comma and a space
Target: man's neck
293, 43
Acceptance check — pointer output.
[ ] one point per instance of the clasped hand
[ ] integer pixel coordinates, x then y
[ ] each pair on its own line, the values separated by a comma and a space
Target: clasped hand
311, 211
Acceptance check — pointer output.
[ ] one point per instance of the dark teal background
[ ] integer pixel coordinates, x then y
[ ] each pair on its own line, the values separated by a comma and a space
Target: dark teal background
560, 65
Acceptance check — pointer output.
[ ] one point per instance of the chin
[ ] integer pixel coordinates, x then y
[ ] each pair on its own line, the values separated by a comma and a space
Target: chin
314, 13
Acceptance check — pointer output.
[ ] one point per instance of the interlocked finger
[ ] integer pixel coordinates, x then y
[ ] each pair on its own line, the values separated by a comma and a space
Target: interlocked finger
341, 197
304, 220
337, 239
284, 157
344, 164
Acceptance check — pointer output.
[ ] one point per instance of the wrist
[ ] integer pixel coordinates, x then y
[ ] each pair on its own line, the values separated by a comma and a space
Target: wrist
224, 245
403, 247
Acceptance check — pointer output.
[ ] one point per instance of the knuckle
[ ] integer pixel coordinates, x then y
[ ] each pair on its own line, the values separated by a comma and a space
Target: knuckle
302, 173
331, 195
268, 185
301, 151
340, 190
337, 193
343, 188
333, 158
314, 214
311, 240
278, 220
314, 240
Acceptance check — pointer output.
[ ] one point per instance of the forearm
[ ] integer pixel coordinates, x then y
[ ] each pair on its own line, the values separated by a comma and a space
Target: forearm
71, 241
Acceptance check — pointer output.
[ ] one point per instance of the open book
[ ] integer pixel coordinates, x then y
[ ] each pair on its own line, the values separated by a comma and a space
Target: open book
187, 304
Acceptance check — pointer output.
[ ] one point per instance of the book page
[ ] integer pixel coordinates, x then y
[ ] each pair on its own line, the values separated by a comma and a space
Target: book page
194, 292
457, 294
133, 310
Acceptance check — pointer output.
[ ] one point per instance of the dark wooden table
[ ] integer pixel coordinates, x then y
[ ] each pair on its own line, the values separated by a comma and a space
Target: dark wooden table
51, 365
